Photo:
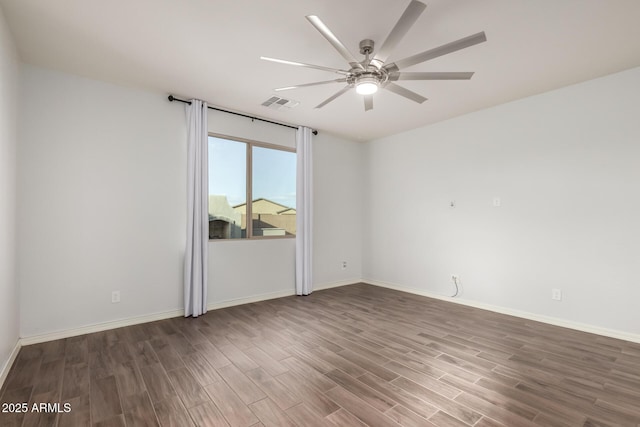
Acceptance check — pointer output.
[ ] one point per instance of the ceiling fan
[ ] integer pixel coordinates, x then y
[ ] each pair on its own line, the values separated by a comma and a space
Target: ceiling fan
373, 73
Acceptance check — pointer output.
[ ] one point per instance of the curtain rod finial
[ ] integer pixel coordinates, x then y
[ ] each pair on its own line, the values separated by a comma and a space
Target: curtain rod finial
171, 98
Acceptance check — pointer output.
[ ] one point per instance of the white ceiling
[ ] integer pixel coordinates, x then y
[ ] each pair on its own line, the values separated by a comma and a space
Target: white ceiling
210, 49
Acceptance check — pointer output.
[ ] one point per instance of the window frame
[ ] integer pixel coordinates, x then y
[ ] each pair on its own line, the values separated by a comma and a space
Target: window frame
250, 143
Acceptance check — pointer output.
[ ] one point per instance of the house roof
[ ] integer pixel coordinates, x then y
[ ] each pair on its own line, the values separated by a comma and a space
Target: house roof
262, 199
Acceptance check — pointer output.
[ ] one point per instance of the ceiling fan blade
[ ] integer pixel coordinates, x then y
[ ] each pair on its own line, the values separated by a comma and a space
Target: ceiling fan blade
436, 52
334, 96
406, 21
301, 64
431, 76
337, 44
399, 90
368, 102
310, 84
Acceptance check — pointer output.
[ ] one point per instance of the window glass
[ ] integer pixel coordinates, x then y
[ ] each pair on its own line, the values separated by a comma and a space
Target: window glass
227, 188
241, 171
274, 192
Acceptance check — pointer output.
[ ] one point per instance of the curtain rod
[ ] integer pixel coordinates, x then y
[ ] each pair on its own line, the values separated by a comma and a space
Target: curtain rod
173, 98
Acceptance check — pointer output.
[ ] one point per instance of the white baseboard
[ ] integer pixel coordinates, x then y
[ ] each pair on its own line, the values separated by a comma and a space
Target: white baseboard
4, 372
277, 294
250, 299
35, 339
627, 336
97, 327
321, 286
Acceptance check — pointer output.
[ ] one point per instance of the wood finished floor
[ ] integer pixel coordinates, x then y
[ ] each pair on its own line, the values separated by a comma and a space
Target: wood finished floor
357, 355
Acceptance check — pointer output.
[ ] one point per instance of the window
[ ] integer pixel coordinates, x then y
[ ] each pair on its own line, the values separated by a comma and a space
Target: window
241, 170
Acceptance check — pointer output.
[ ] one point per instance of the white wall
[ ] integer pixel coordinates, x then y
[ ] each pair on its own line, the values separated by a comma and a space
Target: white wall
101, 202
261, 268
9, 319
102, 207
338, 183
246, 270
565, 165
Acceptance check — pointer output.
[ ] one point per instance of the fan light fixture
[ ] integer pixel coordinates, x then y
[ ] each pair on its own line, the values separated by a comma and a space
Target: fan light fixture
367, 85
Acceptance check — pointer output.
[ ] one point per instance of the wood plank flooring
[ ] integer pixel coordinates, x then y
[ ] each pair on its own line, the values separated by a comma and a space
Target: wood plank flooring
356, 355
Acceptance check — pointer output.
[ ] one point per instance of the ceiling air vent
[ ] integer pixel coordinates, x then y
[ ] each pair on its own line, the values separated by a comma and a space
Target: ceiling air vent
277, 103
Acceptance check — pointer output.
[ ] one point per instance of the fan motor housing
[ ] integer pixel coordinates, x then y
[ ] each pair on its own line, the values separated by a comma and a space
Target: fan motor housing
366, 47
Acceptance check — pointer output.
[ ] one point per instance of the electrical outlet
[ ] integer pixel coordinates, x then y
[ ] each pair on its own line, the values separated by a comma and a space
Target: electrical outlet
344, 265
497, 202
115, 297
556, 294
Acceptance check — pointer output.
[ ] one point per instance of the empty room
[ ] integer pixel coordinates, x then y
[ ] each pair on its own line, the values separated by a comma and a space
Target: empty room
319, 213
